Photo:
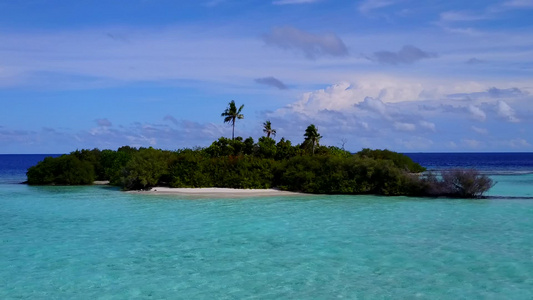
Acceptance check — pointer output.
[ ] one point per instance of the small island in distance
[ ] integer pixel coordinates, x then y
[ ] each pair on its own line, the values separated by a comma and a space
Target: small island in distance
245, 164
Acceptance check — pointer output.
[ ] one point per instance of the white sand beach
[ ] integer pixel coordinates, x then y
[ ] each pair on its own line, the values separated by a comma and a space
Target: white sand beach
217, 192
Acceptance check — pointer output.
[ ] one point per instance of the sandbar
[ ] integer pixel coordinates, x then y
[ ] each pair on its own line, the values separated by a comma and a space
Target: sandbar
218, 192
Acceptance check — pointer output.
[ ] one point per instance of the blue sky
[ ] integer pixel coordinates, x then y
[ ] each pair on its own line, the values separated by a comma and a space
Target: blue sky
407, 75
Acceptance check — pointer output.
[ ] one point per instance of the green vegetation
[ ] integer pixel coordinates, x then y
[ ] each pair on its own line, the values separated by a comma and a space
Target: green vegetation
267, 129
456, 183
231, 114
312, 138
237, 163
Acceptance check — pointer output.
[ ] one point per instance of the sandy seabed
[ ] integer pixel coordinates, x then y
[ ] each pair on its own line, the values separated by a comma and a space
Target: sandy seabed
218, 192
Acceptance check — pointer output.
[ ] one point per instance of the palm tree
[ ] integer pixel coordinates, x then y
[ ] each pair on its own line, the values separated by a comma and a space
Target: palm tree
231, 114
312, 137
267, 128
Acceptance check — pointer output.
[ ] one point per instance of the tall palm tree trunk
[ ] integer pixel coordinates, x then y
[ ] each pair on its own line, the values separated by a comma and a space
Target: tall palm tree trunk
233, 131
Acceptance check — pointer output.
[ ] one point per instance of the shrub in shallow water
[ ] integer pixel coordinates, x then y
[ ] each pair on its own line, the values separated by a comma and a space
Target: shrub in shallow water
467, 183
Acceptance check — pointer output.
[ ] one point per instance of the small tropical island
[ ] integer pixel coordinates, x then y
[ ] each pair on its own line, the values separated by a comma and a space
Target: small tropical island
238, 163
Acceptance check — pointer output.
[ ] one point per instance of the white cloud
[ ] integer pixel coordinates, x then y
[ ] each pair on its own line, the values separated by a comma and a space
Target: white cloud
336, 97
404, 126
374, 105
362, 110
505, 111
428, 125
476, 113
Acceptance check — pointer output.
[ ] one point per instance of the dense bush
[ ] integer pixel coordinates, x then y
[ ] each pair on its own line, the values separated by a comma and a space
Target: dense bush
342, 175
146, 168
242, 163
400, 160
456, 183
62, 170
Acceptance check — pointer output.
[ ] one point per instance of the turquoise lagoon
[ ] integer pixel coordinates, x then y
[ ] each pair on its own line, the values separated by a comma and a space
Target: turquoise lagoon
99, 243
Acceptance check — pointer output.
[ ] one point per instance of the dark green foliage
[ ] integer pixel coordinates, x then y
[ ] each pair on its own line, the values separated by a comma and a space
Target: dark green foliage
146, 168
285, 150
113, 163
266, 147
189, 170
249, 146
224, 147
400, 160
342, 175
312, 139
62, 170
242, 163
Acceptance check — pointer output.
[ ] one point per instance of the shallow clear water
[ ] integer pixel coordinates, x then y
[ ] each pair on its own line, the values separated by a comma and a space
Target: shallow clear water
84, 242
98, 242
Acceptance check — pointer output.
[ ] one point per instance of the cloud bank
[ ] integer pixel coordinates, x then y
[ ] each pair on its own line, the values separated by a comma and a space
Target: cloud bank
407, 55
312, 45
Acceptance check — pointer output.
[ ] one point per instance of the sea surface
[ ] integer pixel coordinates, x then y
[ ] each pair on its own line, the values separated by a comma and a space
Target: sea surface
96, 242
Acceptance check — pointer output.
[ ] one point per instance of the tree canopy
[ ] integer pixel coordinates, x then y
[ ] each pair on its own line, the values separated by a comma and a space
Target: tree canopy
238, 163
267, 129
231, 114
312, 138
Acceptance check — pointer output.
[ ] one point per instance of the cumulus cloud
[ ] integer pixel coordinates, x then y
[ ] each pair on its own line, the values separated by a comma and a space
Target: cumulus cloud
476, 113
407, 55
312, 45
374, 105
505, 111
339, 96
271, 81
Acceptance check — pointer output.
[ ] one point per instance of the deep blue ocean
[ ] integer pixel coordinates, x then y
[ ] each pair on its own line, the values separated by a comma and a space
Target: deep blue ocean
95, 242
490, 163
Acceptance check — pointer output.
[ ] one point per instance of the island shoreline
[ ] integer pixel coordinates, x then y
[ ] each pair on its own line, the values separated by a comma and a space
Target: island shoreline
217, 192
